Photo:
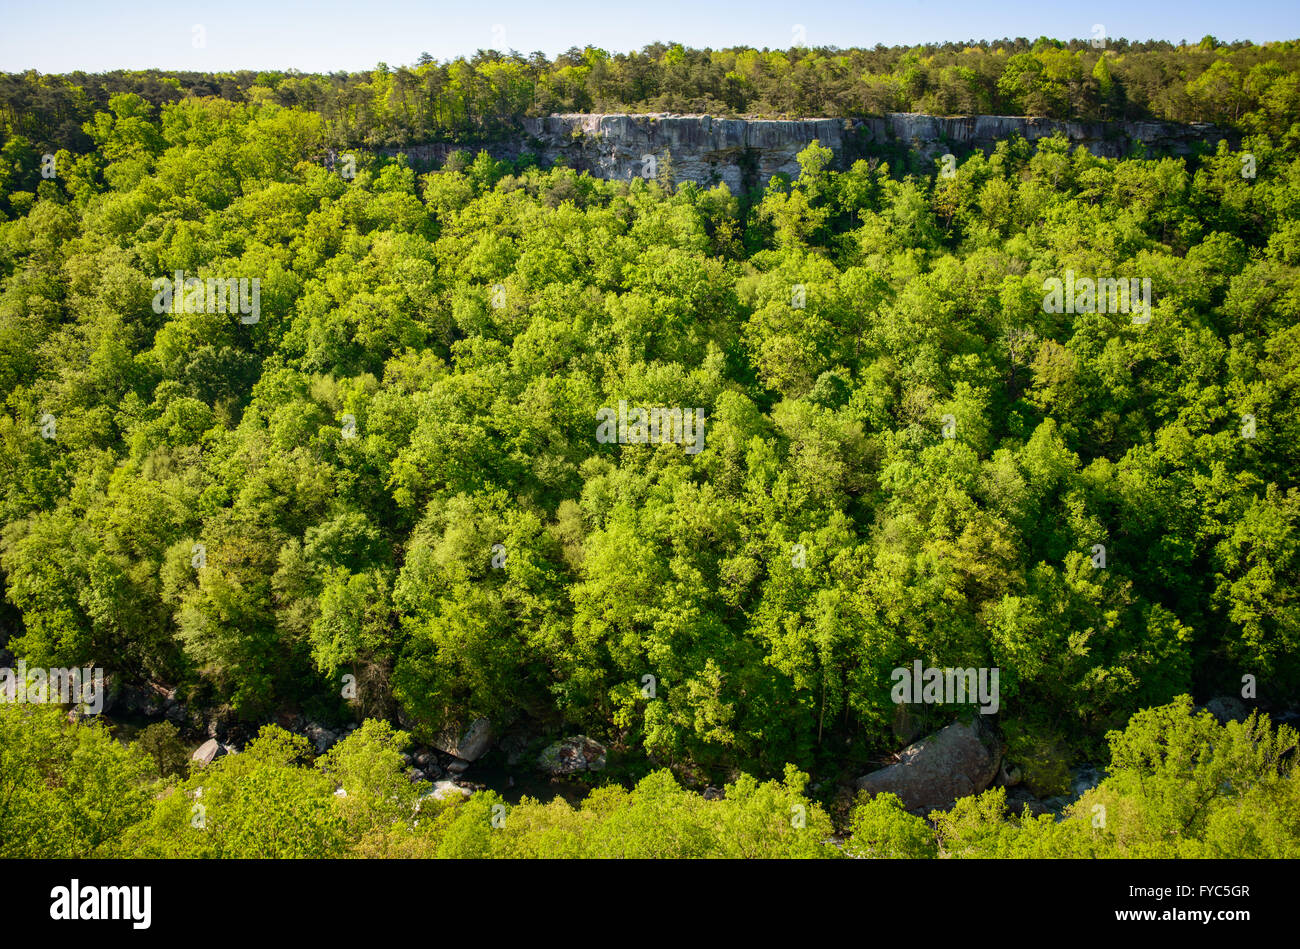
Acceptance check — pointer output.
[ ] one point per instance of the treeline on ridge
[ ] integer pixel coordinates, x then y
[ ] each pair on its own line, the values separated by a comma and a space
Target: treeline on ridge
1242, 85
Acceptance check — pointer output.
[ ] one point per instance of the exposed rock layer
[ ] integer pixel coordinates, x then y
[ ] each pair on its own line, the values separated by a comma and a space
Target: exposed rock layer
748, 152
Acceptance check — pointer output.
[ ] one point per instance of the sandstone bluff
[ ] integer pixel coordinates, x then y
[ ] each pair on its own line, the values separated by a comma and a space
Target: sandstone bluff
746, 153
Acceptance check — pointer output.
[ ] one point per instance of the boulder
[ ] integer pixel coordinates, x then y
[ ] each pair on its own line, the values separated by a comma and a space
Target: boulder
208, 752
427, 762
442, 790
571, 755
321, 737
1227, 708
458, 766
954, 762
471, 745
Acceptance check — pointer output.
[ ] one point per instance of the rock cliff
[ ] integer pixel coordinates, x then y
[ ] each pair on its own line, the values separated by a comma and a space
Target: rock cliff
746, 153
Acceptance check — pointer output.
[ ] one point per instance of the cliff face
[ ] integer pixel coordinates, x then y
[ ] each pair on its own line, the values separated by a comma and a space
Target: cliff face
707, 150
700, 147
747, 152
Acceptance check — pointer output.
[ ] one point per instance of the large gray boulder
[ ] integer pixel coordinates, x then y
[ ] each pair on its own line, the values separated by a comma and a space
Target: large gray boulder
1227, 708
208, 752
956, 761
427, 762
446, 790
471, 745
571, 755
322, 738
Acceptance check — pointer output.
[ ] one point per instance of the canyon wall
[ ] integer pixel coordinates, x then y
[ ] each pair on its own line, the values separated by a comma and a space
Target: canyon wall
745, 153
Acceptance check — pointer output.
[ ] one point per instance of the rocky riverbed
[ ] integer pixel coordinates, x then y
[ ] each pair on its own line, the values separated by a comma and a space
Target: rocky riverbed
963, 758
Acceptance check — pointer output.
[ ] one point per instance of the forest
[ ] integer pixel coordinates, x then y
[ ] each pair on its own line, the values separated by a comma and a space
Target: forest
380, 494
1240, 84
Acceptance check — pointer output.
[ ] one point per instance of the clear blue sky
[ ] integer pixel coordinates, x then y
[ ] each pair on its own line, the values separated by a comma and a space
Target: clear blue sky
325, 35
